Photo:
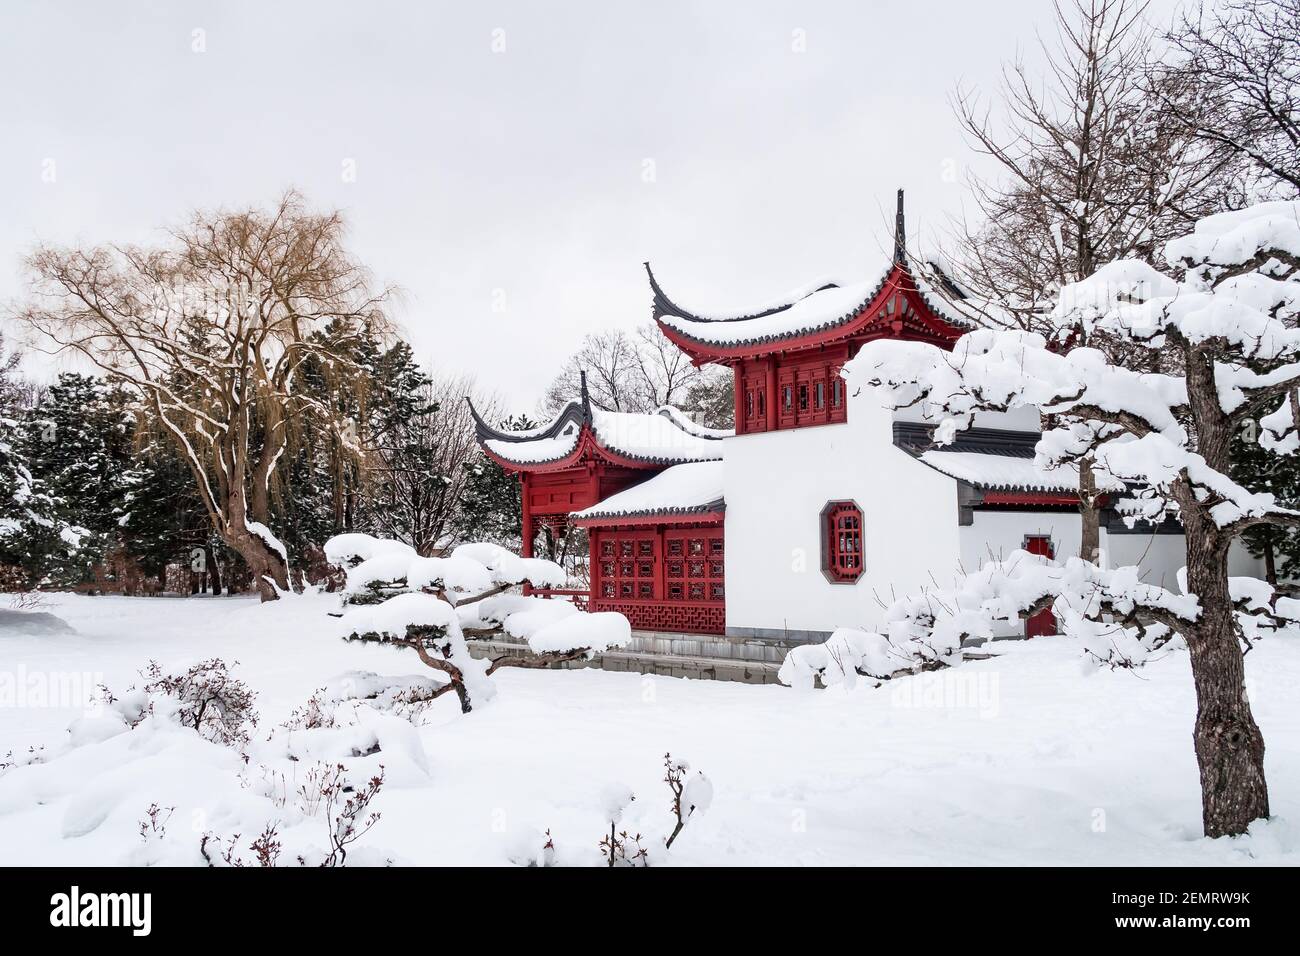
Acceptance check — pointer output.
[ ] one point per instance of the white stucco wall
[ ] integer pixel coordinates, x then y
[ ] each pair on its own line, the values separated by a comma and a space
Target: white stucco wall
995, 534
776, 485
1159, 556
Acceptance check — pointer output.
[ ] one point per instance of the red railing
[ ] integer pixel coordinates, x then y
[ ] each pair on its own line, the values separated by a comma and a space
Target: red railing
580, 598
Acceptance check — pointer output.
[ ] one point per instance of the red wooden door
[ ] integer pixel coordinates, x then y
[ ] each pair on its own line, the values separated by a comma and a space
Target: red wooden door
1044, 622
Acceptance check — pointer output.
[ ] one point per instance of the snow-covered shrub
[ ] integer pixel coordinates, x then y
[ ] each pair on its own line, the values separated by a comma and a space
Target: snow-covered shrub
153, 825
533, 849
21, 759
692, 793
222, 851
326, 793
208, 699
1119, 620
348, 550
204, 698
621, 848
394, 596
346, 809
316, 713
618, 847
307, 787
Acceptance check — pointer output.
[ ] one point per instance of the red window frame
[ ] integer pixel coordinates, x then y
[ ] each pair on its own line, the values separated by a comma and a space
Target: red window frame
842, 537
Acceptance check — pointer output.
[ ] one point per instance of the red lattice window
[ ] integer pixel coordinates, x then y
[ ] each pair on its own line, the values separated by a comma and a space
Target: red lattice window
842, 559
667, 579
625, 566
695, 567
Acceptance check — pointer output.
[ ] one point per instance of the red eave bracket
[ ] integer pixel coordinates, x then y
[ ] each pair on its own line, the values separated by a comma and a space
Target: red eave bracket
1028, 498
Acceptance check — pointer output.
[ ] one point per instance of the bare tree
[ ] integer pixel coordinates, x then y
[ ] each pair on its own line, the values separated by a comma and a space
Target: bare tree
610, 363
1236, 87
1089, 173
417, 475
666, 374
210, 329
639, 372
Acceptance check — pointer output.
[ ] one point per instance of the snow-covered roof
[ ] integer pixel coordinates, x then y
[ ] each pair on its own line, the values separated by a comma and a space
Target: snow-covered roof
801, 313
538, 450
693, 488
657, 437
990, 458
818, 307
666, 436
695, 428
1000, 471
804, 312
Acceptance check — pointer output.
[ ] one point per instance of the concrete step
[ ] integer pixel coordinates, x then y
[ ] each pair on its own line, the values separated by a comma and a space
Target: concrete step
666, 664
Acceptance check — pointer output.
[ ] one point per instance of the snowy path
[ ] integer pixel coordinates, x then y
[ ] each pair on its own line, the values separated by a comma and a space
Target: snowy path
1023, 759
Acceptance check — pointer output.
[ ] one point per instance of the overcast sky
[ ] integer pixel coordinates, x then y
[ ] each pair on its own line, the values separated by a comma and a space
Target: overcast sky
514, 162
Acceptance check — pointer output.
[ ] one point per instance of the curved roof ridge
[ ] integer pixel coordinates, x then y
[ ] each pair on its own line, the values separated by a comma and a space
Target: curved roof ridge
849, 302
665, 306
684, 422
572, 411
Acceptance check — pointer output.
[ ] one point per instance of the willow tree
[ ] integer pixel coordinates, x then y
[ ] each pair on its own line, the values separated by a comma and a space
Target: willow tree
211, 328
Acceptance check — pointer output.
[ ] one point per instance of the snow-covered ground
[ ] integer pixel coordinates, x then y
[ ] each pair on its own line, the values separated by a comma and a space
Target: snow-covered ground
1026, 759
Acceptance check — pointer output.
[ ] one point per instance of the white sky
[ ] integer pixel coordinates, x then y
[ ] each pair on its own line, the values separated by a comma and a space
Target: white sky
518, 176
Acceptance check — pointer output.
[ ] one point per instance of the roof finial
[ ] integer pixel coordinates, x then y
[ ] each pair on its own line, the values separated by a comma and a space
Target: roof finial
900, 234
582, 391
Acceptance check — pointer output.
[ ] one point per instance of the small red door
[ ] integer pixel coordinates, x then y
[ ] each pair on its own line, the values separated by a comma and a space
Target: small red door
1044, 622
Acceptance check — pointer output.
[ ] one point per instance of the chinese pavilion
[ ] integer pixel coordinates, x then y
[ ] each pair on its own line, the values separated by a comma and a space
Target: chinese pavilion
820, 501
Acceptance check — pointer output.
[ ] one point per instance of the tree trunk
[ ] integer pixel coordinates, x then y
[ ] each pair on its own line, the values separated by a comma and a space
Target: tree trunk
462, 694
269, 569
214, 572
1089, 514
1270, 562
1229, 745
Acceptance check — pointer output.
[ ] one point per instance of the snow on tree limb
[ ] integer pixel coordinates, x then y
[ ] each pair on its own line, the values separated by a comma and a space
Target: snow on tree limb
1119, 620
394, 596
1239, 326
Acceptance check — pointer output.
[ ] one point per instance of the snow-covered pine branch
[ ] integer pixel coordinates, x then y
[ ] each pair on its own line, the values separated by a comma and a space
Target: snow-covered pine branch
394, 596
1119, 621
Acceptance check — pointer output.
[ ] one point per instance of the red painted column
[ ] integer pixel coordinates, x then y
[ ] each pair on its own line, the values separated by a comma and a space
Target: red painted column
771, 393
738, 389
593, 569
526, 517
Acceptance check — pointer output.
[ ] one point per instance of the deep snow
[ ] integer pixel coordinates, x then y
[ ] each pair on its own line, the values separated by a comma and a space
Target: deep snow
1028, 758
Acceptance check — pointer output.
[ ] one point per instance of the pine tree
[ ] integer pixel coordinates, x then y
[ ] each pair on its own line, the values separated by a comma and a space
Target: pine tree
491, 506
1258, 470
163, 520
324, 489
77, 442
29, 526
